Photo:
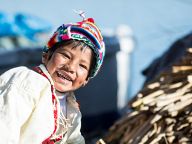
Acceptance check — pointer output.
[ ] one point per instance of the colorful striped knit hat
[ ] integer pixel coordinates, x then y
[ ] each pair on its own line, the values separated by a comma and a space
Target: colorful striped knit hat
85, 31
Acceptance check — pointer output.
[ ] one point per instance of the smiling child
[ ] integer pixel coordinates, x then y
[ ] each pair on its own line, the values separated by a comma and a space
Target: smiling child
38, 105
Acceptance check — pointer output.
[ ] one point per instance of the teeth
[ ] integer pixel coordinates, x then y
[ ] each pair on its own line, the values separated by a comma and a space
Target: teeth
63, 76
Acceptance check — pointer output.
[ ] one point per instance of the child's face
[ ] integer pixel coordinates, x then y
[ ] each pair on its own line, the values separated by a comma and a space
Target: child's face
69, 67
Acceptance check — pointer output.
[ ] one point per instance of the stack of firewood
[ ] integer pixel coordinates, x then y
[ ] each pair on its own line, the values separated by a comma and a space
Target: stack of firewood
161, 112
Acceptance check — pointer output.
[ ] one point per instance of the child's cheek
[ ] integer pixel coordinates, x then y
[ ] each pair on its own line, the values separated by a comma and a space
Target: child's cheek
58, 61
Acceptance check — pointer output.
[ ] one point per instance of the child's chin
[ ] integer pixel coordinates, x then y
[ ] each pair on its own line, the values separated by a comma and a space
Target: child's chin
61, 88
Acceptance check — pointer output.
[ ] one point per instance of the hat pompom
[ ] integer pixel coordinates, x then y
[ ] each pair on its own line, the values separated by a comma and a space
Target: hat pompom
90, 20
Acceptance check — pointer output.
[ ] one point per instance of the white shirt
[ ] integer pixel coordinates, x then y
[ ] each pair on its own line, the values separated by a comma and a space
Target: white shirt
26, 109
63, 103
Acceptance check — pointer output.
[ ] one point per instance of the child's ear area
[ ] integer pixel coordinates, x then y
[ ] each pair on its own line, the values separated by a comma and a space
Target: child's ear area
45, 57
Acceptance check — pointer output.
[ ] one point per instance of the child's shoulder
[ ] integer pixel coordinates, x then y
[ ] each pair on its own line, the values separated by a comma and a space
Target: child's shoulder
25, 80
17, 72
20, 74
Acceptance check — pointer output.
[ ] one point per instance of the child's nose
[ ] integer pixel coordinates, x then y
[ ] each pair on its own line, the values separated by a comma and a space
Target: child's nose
72, 66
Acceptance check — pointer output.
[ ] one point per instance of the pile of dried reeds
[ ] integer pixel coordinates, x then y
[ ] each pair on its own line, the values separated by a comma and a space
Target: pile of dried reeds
161, 112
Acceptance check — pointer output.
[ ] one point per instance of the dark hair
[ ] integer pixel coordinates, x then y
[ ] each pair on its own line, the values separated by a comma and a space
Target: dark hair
76, 44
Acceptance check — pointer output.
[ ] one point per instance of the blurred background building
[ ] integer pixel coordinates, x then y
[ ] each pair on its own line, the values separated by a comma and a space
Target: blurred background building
136, 32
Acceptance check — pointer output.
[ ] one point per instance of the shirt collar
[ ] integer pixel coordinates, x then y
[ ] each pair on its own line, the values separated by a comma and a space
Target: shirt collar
44, 69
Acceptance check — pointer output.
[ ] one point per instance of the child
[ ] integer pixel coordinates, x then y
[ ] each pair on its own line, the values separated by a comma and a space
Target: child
38, 105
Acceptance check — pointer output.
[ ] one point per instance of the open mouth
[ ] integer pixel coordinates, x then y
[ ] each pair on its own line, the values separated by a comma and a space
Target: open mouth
64, 76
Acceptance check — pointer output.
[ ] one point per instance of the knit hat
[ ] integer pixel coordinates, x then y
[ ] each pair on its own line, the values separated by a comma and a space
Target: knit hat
85, 31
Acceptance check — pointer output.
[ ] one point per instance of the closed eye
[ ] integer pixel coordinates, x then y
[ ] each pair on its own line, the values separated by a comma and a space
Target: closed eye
84, 66
65, 55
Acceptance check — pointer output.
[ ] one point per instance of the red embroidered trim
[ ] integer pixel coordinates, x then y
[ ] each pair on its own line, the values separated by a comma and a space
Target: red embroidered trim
55, 111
